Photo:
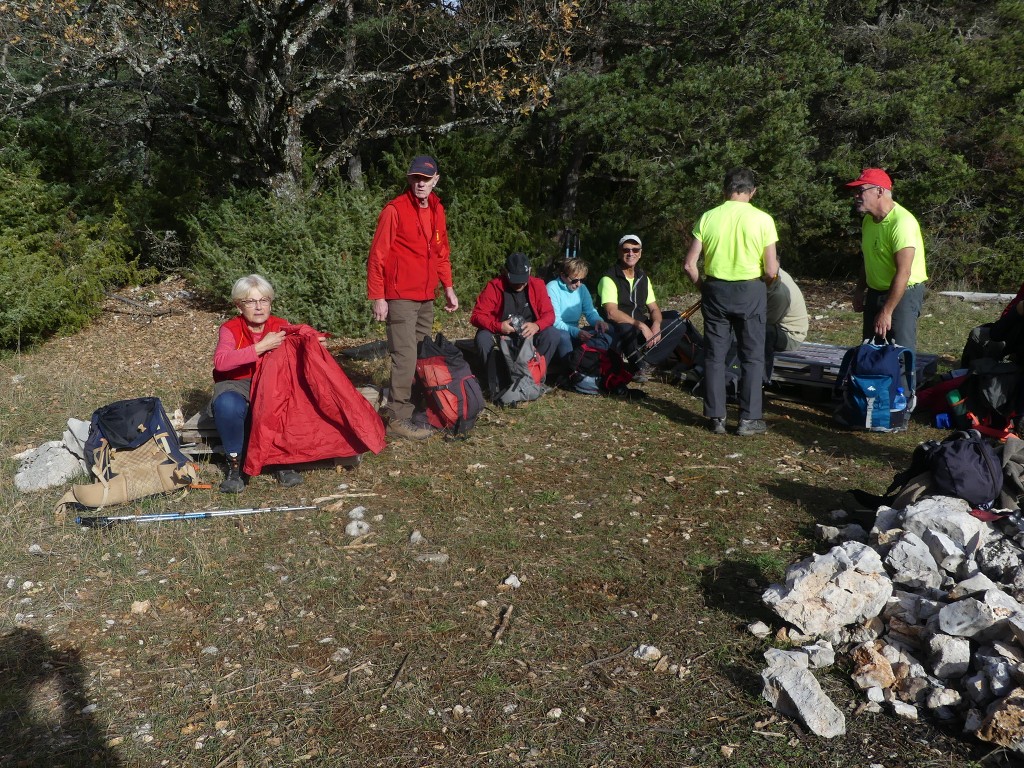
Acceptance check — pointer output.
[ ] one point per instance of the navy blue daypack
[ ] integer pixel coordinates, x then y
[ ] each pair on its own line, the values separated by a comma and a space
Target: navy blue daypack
127, 424
869, 377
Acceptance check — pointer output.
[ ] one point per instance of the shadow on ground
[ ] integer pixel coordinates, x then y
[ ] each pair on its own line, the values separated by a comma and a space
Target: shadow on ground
44, 716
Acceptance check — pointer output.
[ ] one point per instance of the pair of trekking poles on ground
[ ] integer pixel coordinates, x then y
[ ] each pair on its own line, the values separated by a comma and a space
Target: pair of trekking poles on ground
637, 356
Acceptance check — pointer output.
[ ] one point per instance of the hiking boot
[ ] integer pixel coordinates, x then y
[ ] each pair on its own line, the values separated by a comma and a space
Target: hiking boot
643, 373
288, 478
233, 482
750, 427
406, 428
717, 426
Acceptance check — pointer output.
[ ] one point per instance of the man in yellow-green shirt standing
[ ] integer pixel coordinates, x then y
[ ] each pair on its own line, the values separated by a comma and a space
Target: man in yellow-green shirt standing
738, 242
890, 290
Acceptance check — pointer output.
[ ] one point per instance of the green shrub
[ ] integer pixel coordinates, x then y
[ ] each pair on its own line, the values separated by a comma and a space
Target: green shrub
55, 266
483, 230
313, 249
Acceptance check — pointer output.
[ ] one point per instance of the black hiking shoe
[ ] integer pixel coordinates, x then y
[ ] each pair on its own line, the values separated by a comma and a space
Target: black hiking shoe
233, 482
288, 478
717, 426
749, 427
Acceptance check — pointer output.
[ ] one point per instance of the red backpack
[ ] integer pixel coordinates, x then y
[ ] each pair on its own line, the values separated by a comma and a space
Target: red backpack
448, 393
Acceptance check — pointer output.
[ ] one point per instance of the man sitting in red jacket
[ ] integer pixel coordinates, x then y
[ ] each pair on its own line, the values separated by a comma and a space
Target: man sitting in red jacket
514, 303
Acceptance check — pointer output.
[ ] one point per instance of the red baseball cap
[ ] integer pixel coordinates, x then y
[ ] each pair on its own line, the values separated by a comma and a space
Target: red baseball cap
872, 177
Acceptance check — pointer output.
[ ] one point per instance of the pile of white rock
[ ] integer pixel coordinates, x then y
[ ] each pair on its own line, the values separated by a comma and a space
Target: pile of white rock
927, 608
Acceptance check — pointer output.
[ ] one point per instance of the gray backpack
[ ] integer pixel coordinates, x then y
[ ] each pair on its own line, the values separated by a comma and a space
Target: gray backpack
526, 371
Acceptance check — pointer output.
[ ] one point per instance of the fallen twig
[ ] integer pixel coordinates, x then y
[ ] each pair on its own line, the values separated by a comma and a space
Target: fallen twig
232, 756
139, 307
624, 652
394, 678
506, 616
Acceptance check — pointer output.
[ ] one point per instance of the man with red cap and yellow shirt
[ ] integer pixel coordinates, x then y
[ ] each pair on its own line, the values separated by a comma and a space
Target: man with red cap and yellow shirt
890, 289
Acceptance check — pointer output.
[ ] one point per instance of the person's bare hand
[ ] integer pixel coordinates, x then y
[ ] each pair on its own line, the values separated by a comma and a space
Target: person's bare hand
585, 335
380, 310
883, 323
451, 301
270, 341
530, 329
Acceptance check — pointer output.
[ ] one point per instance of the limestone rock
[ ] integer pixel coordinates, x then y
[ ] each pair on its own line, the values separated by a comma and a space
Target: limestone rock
826, 592
1004, 724
948, 656
948, 516
911, 563
794, 691
871, 668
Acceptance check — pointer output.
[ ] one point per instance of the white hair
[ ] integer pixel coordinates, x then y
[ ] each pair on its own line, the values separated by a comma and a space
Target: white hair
244, 285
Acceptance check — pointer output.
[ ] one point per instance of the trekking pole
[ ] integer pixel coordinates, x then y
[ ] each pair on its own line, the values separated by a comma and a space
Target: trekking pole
641, 352
103, 522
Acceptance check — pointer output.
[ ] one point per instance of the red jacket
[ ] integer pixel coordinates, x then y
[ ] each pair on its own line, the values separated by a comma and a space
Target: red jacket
410, 252
490, 304
304, 408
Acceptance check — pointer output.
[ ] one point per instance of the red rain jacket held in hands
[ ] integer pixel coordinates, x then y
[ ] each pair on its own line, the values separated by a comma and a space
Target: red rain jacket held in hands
304, 408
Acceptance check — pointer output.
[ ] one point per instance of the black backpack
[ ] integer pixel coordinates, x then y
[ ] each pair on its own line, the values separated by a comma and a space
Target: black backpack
964, 465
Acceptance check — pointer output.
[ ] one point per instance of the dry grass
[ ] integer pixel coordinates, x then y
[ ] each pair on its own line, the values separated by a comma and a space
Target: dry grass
276, 640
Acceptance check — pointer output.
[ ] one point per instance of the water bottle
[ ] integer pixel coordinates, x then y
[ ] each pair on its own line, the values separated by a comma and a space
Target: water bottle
958, 407
899, 403
898, 416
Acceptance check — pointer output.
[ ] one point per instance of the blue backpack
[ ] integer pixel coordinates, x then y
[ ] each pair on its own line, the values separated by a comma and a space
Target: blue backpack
868, 384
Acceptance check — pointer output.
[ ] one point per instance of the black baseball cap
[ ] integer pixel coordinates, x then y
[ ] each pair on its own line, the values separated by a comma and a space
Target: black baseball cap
422, 165
517, 266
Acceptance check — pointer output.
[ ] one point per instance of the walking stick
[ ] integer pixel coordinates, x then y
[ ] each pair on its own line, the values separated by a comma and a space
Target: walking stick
103, 522
641, 352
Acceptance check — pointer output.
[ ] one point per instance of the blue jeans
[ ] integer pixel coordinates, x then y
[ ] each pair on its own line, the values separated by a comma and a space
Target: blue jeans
229, 412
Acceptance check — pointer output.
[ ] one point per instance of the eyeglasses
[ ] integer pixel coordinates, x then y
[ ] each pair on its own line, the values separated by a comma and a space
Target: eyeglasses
631, 250
861, 190
574, 280
250, 303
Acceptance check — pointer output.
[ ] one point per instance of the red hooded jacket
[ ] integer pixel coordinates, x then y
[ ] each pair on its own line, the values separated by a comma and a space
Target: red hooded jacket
304, 408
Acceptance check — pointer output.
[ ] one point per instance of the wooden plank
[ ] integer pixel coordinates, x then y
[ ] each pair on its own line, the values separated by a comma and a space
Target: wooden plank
977, 296
818, 365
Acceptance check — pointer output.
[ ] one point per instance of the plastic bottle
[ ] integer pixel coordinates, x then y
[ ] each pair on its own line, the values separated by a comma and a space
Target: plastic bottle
899, 403
958, 407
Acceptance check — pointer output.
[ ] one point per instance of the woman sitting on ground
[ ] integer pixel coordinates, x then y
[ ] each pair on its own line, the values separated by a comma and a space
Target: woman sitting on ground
244, 339
571, 300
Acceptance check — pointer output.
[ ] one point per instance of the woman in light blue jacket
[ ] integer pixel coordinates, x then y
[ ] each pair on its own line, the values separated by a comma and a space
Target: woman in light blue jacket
571, 300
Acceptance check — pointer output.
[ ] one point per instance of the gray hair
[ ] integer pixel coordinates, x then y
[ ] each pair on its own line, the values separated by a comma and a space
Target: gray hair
244, 285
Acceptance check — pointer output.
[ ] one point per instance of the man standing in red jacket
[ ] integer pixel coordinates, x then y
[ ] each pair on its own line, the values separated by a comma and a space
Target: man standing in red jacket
409, 256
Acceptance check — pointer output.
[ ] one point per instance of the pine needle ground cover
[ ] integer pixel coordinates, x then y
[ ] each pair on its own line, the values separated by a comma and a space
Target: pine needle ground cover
552, 544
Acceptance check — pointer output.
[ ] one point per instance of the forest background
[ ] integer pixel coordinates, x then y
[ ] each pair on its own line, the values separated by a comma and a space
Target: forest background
213, 139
